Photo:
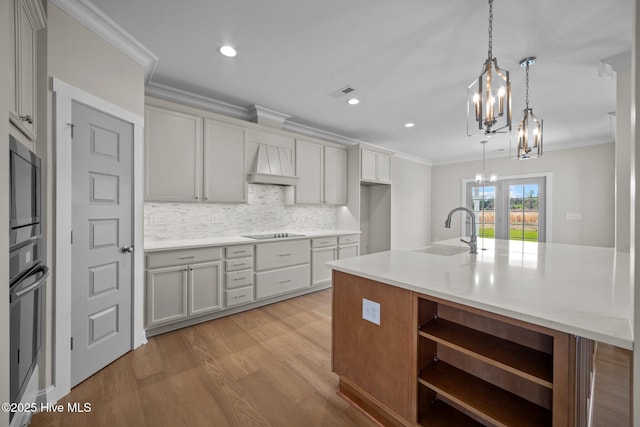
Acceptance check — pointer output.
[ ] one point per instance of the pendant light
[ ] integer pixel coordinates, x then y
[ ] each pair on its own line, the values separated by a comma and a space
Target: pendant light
480, 177
489, 97
530, 126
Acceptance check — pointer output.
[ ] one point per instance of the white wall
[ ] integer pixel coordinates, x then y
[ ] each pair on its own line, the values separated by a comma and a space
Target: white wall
623, 159
583, 182
5, 86
410, 204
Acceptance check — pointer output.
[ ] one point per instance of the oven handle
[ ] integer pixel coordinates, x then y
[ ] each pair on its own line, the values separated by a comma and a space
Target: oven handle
44, 269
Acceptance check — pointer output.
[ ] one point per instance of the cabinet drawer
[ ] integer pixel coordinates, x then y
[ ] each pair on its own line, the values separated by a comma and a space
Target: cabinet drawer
320, 242
352, 238
239, 264
282, 254
282, 281
239, 296
181, 257
239, 251
239, 278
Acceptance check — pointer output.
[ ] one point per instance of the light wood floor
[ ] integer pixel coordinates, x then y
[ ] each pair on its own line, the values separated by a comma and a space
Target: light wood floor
265, 367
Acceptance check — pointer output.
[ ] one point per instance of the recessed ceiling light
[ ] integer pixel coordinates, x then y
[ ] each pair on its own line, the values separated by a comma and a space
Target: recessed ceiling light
353, 101
409, 125
228, 51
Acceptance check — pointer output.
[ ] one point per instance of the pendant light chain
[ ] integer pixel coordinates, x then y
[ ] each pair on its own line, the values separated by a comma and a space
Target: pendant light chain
526, 93
490, 29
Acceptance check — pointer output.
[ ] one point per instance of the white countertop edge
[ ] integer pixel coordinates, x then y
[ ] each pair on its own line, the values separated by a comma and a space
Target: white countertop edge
625, 342
163, 245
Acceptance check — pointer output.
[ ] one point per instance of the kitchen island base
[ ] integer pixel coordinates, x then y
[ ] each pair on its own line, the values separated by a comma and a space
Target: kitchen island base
434, 362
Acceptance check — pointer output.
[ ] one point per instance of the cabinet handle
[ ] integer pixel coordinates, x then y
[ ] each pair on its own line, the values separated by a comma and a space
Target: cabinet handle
196, 197
239, 252
239, 278
284, 255
27, 118
285, 281
324, 242
239, 296
206, 198
186, 257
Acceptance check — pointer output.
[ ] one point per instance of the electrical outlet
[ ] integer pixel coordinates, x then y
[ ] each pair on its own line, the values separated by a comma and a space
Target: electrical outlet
215, 219
153, 219
371, 311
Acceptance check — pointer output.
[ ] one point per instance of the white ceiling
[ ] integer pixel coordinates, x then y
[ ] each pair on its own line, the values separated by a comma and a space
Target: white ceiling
409, 61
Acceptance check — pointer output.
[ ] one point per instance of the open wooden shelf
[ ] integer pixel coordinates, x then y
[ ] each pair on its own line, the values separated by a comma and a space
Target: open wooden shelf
533, 365
439, 414
484, 399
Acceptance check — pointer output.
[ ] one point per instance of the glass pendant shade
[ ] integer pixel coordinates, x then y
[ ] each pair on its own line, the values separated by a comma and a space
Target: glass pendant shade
529, 135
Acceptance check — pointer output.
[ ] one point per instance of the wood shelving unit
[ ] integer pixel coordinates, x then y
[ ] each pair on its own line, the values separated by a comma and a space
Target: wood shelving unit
476, 368
482, 398
525, 362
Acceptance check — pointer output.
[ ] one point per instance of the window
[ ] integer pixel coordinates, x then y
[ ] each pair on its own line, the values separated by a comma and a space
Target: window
512, 209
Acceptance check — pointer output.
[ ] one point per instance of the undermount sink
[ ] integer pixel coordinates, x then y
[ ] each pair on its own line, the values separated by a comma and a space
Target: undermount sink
444, 250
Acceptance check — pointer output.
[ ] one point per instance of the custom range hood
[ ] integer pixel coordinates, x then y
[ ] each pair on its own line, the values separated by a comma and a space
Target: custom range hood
273, 166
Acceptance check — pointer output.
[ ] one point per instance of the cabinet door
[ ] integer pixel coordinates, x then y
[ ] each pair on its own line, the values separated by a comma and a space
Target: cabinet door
348, 251
335, 176
13, 60
225, 177
383, 167
205, 290
173, 147
368, 165
166, 295
309, 169
320, 273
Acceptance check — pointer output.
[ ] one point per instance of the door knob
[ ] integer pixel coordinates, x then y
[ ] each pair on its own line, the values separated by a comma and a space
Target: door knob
126, 249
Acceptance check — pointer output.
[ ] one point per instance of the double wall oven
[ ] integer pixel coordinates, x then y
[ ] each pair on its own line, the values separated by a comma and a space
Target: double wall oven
27, 269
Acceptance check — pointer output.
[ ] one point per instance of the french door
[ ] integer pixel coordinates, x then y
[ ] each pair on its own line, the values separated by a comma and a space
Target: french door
512, 209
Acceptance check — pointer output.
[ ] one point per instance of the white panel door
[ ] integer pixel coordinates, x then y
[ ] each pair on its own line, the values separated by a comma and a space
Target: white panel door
101, 240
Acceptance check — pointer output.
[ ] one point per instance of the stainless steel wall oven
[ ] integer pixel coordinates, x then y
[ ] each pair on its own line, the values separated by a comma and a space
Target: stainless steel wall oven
27, 269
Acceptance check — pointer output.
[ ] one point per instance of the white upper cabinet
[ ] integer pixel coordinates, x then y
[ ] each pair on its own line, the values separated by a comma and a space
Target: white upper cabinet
323, 173
189, 158
335, 176
27, 18
375, 167
173, 146
225, 177
309, 168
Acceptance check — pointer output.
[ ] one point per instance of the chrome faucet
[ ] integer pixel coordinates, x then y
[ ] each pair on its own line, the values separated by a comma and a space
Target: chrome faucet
473, 241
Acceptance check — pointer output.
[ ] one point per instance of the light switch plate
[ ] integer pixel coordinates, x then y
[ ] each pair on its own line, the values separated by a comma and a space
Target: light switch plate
574, 217
371, 311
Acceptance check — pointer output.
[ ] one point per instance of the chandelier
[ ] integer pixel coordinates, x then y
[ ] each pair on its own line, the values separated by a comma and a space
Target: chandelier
480, 177
530, 126
489, 98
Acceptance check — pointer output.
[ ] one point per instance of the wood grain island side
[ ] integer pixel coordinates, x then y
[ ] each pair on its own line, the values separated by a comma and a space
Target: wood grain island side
435, 362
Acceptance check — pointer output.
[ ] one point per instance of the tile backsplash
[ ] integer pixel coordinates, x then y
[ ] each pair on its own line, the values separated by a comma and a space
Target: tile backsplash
264, 212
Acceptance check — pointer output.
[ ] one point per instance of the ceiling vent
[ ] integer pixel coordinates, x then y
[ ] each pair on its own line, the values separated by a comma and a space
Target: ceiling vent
342, 92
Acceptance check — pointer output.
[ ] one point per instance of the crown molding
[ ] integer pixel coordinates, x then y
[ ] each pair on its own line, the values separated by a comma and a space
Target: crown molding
191, 99
97, 21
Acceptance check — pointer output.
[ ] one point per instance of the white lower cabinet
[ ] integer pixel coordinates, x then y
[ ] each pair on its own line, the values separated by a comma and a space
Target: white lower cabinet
177, 290
323, 250
175, 293
348, 246
239, 296
282, 280
239, 275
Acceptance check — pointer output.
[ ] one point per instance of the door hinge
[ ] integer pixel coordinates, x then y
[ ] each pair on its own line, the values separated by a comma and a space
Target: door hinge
72, 237
72, 128
71, 343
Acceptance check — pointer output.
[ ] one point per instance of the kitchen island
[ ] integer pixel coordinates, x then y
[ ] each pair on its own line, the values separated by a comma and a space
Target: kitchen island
504, 337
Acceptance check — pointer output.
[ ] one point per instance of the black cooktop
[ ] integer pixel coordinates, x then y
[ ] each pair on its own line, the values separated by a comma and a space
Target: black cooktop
272, 235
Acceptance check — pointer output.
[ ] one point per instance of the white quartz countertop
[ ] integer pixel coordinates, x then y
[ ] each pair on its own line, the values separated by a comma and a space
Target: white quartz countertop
581, 290
161, 245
